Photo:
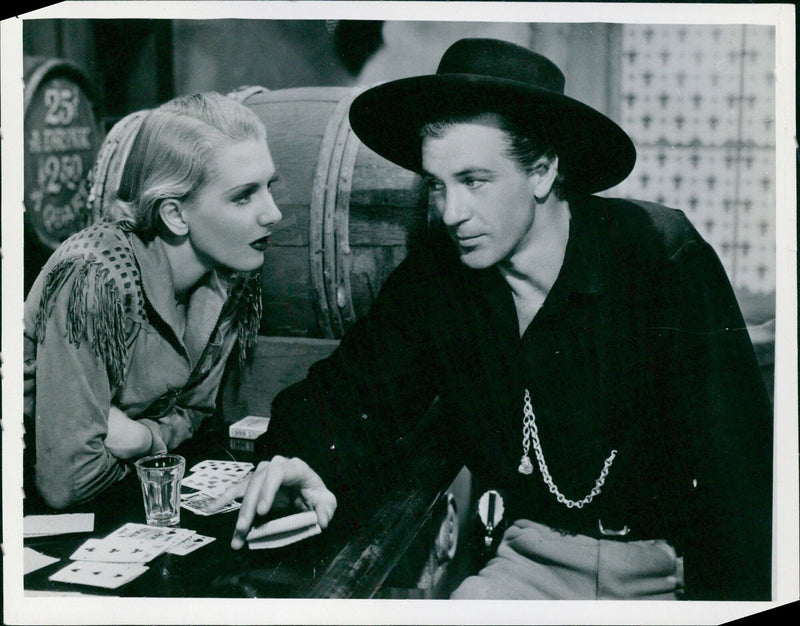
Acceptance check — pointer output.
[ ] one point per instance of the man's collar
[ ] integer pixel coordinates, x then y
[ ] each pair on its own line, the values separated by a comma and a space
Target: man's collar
582, 270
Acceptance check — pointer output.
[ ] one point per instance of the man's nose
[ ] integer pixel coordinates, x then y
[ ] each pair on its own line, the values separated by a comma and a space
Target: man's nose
453, 208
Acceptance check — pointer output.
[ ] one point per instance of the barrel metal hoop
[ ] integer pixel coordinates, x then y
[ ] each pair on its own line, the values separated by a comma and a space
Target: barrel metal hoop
328, 231
322, 224
316, 240
344, 258
244, 93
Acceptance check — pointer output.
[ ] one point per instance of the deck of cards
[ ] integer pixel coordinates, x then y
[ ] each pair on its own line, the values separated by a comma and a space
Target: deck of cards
120, 557
250, 427
208, 480
284, 531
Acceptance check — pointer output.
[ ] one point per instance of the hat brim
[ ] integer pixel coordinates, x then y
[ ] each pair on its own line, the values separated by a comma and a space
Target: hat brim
594, 152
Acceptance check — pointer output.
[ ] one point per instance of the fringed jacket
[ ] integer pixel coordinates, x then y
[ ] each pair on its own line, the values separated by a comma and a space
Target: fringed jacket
102, 329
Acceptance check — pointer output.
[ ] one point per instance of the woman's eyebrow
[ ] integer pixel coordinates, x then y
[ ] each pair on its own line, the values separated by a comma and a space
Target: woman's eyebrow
244, 187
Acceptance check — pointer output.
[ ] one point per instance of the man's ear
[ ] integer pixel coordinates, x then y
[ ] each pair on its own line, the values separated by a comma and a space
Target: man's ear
172, 214
543, 177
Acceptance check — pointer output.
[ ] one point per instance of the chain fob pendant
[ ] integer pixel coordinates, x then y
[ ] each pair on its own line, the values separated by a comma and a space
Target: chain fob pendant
490, 512
525, 465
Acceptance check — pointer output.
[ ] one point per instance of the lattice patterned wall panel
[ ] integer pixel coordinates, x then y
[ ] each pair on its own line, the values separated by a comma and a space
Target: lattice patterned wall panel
699, 103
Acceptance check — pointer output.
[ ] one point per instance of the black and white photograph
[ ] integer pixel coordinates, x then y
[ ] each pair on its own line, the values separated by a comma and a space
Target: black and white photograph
399, 313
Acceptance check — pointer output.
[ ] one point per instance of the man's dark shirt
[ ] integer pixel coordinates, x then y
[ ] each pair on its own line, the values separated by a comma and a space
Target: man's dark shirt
640, 347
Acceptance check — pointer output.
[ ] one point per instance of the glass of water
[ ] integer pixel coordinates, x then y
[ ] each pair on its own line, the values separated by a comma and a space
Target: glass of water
160, 476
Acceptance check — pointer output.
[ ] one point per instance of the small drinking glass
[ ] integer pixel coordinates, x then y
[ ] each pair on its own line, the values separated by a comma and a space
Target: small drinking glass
160, 476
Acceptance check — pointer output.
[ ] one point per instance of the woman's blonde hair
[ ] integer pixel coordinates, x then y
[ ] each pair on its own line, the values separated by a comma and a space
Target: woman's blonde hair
170, 156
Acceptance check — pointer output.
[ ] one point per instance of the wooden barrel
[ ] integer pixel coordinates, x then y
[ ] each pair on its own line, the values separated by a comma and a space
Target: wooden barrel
62, 137
349, 215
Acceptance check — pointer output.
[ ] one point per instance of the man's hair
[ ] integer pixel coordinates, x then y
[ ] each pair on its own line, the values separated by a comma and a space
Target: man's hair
524, 142
172, 152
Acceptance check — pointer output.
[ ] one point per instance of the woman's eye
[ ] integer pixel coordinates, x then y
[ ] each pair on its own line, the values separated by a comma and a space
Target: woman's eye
242, 198
473, 183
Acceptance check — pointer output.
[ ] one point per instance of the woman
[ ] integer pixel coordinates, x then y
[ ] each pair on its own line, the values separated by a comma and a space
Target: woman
131, 321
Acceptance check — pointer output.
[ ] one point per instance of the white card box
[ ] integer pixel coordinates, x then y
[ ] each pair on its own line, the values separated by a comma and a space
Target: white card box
250, 427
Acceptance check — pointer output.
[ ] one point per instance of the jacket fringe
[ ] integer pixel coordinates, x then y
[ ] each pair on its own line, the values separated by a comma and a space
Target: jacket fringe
248, 316
103, 326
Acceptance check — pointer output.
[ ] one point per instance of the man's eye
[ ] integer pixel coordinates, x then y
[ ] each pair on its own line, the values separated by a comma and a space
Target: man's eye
434, 185
473, 183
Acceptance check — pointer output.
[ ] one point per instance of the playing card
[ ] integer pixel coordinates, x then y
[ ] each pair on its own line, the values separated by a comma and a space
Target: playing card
59, 524
118, 550
199, 502
190, 544
232, 468
161, 538
34, 560
107, 575
209, 482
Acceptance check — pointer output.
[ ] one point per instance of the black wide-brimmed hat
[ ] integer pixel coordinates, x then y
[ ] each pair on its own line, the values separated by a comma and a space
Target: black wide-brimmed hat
490, 75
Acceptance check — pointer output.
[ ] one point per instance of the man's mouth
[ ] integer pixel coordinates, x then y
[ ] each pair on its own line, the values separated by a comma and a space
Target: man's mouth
467, 240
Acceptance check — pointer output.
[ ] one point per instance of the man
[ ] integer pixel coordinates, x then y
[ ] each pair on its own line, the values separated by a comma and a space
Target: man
592, 367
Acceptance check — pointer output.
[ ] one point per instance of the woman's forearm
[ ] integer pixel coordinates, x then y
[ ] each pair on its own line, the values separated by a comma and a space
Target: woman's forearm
127, 438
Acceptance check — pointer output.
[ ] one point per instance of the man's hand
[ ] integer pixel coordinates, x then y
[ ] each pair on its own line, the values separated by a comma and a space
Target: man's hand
278, 483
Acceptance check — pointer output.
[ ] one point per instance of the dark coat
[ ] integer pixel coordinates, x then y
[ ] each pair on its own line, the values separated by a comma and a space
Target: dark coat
640, 347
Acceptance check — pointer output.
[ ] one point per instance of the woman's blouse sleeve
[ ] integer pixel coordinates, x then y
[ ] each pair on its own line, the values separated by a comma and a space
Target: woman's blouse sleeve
75, 317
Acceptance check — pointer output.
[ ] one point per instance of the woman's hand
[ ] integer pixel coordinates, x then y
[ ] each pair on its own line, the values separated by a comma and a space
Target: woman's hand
126, 438
280, 483
28, 375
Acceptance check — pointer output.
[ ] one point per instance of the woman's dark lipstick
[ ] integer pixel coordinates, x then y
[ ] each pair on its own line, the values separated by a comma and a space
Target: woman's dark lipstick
261, 244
